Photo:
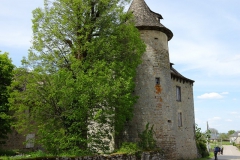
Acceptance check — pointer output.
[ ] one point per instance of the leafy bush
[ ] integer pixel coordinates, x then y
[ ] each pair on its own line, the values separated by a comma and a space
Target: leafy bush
202, 149
201, 142
238, 146
129, 148
7, 153
147, 141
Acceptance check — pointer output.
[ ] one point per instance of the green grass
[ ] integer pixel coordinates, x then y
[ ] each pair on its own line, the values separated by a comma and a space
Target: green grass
213, 144
226, 143
8, 155
8, 152
205, 158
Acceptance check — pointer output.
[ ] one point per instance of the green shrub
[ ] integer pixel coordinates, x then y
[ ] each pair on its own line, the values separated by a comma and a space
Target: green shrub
201, 142
7, 152
147, 141
202, 149
128, 148
238, 146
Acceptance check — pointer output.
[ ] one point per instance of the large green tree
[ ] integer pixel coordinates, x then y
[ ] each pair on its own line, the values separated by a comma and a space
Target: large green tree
6, 75
80, 70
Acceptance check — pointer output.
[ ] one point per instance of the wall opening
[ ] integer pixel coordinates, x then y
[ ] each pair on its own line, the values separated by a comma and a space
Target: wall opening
157, 80
180, 119
178, 93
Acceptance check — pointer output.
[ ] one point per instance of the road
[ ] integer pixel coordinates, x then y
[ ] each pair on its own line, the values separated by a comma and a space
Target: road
229, 153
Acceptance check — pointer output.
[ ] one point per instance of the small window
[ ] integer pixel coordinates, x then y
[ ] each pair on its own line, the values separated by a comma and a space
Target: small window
178, 93
30, 140
180, 119
157, 81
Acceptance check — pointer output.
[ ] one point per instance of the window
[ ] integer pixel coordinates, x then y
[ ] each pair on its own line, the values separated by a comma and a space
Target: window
30, 140
178, 92
180, 119
157, 80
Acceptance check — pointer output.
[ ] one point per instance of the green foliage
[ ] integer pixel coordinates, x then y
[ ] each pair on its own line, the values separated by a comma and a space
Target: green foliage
238, 146
226, 142
38, 153
223, 136
7, 152
147, 141
211, 155
80, 70
201, 141
208, 135
6, 74
128, 148
230, 132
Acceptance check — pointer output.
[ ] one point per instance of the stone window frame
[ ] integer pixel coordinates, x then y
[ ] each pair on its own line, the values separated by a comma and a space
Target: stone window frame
30, 138
178, 93
157, 80
180, 124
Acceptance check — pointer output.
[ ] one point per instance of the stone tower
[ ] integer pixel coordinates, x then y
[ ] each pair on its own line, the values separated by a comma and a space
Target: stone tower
156, 88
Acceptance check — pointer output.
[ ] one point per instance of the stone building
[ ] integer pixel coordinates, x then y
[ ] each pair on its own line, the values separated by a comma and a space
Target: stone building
165, 96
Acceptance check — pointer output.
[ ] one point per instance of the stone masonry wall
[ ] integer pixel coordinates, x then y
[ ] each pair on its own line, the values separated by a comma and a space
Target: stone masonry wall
142, 156
185, 137
154, 103
14, 141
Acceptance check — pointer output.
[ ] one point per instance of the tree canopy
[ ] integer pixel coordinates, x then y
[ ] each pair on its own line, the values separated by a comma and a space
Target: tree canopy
230, 132
75, 87
6, 74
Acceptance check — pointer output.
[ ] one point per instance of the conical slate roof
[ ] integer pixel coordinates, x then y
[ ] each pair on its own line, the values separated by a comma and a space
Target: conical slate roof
147, 19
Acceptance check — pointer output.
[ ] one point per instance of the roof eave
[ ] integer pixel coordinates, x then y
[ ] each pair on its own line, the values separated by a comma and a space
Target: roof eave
165, 30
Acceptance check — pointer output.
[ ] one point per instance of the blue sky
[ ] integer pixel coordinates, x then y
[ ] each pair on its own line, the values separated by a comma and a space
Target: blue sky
205, 48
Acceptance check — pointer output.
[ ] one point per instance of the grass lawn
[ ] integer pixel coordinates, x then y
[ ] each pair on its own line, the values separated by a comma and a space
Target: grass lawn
209, 157
8, 155
213, 144
226, 143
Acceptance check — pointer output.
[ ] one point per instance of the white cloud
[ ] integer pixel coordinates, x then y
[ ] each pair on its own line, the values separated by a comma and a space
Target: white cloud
224, 93
198, 121
234, 113
229, 120
17, 39
212, 95
210, 56
215, 119
213, 51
